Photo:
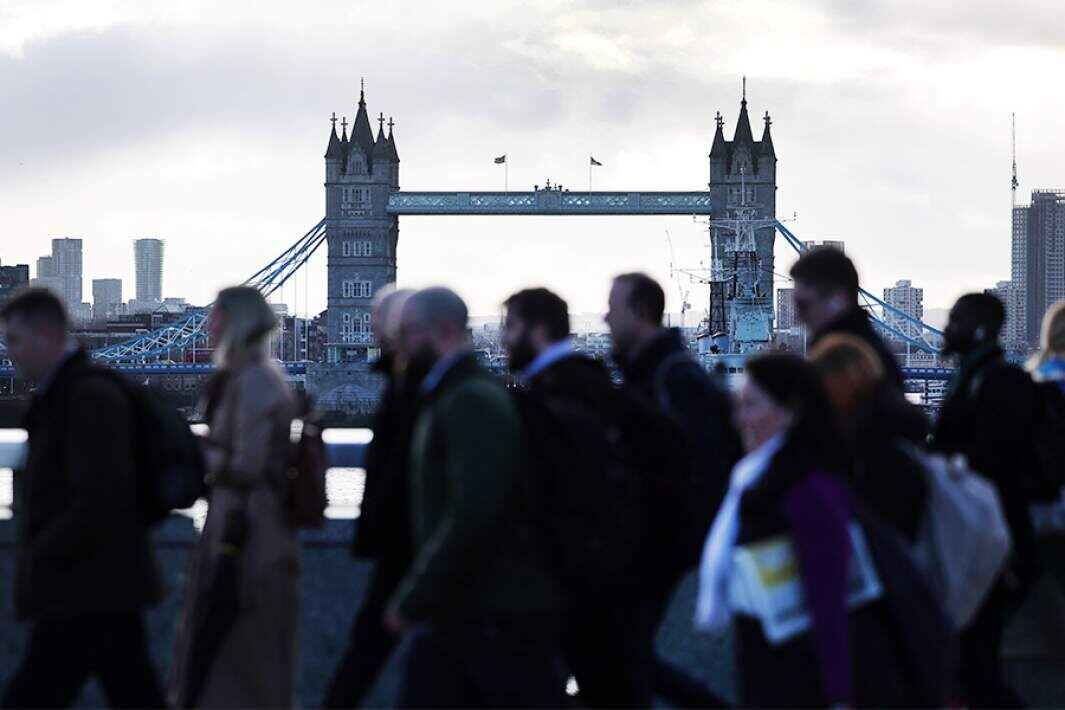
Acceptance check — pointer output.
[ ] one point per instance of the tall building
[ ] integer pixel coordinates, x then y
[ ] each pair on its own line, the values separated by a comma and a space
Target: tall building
830, 243
910, 301
360, 174
148, 268
106, 298
45, 267
12, 278
1038, 259
743, 179
786, 318
67, 266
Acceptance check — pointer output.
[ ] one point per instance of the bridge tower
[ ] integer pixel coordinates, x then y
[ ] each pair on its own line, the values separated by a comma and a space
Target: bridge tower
743, 173
360, 173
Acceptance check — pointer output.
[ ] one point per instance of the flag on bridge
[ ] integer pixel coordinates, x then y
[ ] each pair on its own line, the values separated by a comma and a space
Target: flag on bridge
594, 161
501, 159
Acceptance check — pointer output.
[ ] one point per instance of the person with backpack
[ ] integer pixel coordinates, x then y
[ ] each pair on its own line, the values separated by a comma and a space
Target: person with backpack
882, 429
85, 569
481, 601
1048, 365
589, 497
383, 531
694, 447
238, 633
989, 416
793, 567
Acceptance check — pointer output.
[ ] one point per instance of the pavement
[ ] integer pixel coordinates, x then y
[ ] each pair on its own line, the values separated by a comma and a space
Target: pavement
334, 583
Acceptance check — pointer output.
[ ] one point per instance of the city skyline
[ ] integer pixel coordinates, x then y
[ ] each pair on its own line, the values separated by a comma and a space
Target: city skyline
903, 157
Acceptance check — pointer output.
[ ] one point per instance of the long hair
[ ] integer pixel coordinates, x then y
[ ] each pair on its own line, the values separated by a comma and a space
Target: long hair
849, 369
1051, 336
815, 439
249, 320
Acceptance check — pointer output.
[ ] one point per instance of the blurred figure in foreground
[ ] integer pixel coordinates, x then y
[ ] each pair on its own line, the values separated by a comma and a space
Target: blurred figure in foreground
880, 425
692, 470
989, 416
383, 531
826, 301
1049, 363
84, 565
480, 599
238, 634
785, 561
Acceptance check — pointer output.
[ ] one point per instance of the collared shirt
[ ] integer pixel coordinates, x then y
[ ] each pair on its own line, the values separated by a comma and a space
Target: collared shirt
548, 357
440, 369
48, 379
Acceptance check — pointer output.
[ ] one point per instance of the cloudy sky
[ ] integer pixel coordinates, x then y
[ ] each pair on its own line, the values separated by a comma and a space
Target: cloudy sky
204, 123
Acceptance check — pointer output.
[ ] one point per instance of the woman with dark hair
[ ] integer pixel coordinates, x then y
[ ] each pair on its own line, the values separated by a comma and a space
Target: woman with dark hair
785, 561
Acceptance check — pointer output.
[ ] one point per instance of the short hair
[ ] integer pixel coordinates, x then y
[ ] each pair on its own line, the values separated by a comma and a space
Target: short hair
827, 269
38, 306
539, 306
986, 309
439, 304
646, 299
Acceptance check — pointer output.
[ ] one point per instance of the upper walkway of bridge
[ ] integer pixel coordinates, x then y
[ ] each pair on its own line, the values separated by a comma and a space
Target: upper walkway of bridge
549, 202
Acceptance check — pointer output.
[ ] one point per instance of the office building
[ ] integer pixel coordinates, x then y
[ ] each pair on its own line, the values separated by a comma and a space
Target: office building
67, 266
786, 318
12, 278
106, 298
910, 301
148, 265
1037, 262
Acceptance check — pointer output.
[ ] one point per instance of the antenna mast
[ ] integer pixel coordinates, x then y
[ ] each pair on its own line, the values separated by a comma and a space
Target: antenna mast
1013, 147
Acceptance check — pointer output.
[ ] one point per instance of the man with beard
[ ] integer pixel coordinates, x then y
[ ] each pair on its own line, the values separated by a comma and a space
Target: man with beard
383, 532
484, 607
989, 417
693, 472
571, 395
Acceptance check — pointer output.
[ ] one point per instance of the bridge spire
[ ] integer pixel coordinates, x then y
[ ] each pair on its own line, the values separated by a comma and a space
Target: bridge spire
392, 153
743, 123
361, 133
767, 140
719, 148
333, 150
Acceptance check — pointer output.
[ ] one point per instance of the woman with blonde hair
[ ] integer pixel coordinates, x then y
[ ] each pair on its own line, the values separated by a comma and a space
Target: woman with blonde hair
882, 428
1049, 363
237, 639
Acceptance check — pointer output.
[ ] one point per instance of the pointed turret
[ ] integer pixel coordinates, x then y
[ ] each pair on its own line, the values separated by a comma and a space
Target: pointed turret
719, 150
767, 140
380, 145
332, 151
392, 152
361, 133
743, 125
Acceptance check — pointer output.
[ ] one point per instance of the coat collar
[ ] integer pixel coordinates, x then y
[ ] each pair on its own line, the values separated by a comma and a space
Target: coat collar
449, 371
643, 366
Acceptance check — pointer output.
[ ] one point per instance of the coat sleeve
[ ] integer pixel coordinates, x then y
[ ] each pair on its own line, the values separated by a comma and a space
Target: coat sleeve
702, 410
479, 467
99, 458
818, 514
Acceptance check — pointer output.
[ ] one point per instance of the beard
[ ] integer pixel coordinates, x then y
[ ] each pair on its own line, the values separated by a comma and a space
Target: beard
521, 355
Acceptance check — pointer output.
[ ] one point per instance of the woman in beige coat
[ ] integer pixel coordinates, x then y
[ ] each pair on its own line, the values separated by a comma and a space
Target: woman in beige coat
250, 416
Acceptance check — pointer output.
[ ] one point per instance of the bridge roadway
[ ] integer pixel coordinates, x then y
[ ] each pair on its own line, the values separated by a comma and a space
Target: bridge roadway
549, 202
297, 369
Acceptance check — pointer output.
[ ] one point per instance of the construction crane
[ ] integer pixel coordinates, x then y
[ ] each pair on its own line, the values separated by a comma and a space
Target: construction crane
1013, 147
685, 306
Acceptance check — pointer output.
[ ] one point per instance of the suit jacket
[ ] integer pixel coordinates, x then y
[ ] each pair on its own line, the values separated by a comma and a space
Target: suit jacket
82, 545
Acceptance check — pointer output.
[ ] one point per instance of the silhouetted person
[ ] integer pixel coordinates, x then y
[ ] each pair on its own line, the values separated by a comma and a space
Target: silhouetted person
826, 301
602, 640
84, 569
237, 643
659, 371
383, 531
883, 429
989, 416
483, 605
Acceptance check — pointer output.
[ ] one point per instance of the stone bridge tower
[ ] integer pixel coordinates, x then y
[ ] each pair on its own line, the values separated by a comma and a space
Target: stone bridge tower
743, 171
360, 173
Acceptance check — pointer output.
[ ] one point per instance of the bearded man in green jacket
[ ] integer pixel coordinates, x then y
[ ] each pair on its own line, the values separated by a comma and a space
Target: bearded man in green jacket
480, 599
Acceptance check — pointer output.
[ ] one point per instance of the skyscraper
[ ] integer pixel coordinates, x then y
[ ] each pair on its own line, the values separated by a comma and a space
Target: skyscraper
786, 319
1038, 260
45, 267
66, 265
910, 301
106, 298
148, 264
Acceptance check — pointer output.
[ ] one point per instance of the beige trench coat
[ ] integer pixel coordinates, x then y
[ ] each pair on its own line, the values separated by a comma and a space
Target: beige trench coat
257, 662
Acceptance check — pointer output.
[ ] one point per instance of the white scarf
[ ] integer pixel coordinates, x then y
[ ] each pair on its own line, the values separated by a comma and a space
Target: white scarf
712, 610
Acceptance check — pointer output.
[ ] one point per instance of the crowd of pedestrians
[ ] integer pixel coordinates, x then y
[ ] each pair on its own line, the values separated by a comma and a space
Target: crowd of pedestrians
527, 537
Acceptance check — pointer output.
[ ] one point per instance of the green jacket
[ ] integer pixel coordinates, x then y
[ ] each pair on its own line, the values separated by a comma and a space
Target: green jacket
477, 555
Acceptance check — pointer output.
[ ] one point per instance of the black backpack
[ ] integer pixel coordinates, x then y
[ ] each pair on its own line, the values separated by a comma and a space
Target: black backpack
1049, 442
170, 463
587, 492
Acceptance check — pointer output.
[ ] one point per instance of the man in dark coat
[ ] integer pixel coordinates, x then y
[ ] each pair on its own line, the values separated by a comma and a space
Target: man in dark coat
826, 301
383, 532
989, 416
658, 370
85, 569
601, 641
481, 599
